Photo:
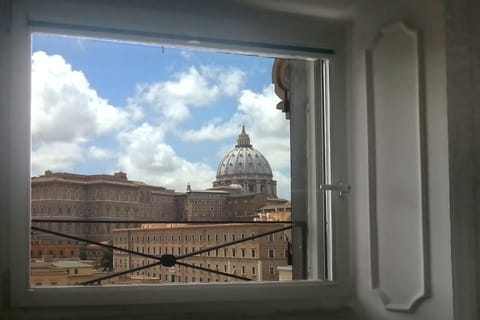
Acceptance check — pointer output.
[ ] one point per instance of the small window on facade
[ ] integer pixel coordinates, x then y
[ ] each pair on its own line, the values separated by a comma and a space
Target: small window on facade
271, 271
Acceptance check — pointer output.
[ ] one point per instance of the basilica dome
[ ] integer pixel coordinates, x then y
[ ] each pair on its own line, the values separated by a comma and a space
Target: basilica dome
244, 159
247, 167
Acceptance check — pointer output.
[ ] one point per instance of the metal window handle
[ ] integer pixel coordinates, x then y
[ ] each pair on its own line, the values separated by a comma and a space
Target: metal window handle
341, 187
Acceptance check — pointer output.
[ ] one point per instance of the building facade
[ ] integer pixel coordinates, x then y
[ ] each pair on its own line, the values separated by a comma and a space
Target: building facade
61, 273
201, 205
38, 250
275, 212
255, 259
92, 199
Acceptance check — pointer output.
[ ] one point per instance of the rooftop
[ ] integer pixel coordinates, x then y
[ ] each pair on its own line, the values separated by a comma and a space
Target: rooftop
70, 264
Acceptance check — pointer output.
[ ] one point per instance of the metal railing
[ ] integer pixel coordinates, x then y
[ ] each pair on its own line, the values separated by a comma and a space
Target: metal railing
166, 260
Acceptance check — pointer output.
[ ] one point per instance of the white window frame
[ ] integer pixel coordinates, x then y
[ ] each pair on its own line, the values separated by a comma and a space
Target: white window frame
83, 18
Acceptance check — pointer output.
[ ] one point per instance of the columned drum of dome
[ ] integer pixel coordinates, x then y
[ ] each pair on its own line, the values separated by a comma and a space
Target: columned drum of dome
246, 167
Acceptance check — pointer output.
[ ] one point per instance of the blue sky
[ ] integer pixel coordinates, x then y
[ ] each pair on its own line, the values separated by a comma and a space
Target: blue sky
164, 115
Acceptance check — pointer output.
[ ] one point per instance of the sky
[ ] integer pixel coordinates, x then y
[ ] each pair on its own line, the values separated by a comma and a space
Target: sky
165, 116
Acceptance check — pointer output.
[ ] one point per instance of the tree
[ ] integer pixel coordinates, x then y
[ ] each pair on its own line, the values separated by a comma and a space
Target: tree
107, 258
83, 251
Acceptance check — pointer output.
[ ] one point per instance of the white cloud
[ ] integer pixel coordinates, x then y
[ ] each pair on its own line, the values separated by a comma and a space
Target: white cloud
67, 112
187, 55
229, 82
80, 43
283, 184
196, 87
65, 107
267, 126
97, 153
269, 132
212, 131
147, 157
57, 156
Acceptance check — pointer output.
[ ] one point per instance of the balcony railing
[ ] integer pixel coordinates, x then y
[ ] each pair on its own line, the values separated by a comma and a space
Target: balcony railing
166, 260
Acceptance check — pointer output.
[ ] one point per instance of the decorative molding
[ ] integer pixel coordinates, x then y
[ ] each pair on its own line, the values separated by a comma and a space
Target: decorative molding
400, 267
281, 81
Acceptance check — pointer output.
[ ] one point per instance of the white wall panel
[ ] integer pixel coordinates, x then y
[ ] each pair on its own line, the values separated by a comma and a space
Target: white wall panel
399, 259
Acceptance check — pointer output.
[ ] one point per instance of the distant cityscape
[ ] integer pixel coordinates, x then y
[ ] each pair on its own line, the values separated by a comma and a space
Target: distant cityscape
144, 222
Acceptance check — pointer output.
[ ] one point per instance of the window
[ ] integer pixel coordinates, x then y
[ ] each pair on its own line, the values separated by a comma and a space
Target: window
271, 270
19, 121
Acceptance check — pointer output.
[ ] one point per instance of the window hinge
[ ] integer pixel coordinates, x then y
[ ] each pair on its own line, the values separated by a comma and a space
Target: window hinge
341, 187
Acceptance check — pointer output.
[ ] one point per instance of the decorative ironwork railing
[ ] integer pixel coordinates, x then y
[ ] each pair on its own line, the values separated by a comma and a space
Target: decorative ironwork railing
166, 260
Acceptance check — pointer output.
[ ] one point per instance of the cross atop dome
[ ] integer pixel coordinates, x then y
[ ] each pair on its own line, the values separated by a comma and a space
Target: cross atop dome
243, 139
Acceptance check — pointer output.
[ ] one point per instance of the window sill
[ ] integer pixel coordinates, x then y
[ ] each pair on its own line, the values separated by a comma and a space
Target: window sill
307, 294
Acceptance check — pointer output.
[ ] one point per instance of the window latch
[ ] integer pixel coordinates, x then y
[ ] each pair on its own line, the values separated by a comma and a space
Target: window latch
341, 187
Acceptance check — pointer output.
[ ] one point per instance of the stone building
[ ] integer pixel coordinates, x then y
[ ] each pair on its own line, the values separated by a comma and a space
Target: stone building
243, 206
220, 205
68, 196
48, 252
203, 205
61, 273
275, 212
70, 272
255, 259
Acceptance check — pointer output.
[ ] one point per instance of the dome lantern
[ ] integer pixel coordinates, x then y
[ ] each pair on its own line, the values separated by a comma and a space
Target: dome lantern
243, 139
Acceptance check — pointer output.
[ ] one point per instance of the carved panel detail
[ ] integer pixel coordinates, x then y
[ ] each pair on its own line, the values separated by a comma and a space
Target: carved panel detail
398, 202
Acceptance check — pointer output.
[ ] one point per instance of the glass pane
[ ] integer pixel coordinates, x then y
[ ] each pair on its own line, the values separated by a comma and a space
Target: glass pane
142, 154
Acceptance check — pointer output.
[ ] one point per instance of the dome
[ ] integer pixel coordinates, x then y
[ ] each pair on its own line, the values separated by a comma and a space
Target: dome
244, 160
246, 167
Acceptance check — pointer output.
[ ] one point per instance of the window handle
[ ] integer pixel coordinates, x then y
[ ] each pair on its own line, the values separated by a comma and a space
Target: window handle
341, 187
